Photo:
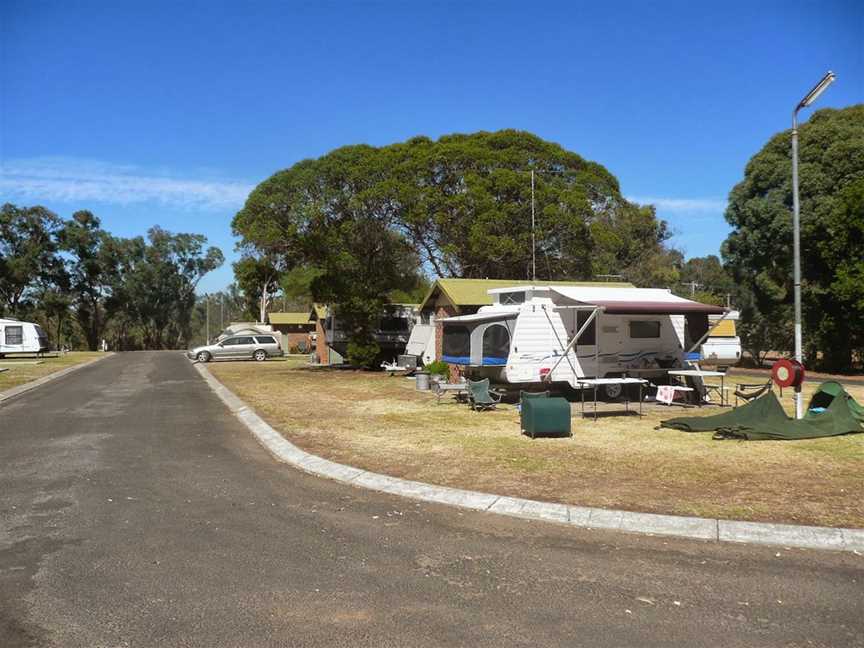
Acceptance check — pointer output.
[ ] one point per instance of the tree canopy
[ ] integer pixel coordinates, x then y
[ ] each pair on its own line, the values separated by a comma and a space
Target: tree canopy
758, 253
370, 221
28, 255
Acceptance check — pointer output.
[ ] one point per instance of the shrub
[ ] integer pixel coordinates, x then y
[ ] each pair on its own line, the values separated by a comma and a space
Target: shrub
439, 368
363, 353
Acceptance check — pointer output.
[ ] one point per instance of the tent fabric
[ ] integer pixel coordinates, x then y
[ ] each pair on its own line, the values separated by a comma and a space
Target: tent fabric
420, 335
764, 418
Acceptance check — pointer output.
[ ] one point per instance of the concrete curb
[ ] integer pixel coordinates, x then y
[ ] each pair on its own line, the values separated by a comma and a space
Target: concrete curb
786, 535
33, 384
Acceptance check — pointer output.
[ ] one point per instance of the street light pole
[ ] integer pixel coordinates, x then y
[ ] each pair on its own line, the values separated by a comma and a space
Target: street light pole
533, 241
811, 96
207, 309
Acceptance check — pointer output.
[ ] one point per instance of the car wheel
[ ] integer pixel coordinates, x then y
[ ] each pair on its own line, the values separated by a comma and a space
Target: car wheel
203, 356
260, 355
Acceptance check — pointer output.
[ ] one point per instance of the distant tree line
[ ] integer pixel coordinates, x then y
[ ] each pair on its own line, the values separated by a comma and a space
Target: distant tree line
85, 285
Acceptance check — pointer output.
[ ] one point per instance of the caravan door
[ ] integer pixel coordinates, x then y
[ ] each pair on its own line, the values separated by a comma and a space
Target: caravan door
586, 345
580, 362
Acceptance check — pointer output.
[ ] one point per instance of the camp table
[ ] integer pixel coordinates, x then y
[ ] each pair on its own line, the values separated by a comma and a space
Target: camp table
583, 383
459, 390
702, 373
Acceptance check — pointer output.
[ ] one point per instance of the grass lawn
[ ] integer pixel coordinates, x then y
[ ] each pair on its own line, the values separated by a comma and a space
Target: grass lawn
382, 424
22, 369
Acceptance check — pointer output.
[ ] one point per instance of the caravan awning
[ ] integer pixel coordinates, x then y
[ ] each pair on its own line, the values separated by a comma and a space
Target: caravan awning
637, 301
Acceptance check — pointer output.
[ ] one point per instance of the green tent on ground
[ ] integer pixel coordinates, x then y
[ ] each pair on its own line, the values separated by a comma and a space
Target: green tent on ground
831, 412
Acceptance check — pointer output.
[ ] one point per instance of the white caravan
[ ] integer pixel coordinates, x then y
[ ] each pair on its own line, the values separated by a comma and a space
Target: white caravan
559, 334
21, 337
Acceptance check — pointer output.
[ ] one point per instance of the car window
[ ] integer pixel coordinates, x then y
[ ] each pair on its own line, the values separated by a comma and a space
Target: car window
244, 340
265, 339
231, 341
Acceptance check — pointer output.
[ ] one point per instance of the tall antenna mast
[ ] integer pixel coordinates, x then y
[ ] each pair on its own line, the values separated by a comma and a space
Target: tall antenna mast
533, 243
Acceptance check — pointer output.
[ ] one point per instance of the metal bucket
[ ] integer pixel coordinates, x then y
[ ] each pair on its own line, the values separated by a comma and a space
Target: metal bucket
422, 380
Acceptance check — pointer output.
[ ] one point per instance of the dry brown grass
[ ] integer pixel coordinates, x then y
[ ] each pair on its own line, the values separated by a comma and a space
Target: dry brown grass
382, 424
21, 369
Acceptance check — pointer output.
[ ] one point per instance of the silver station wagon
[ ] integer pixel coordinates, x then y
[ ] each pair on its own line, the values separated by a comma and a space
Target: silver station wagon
239, 347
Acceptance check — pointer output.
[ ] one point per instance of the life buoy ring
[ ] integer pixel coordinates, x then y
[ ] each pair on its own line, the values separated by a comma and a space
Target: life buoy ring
787, 373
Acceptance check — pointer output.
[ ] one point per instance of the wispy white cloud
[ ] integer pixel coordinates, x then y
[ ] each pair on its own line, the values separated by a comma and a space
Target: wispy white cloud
682, 205
69, 180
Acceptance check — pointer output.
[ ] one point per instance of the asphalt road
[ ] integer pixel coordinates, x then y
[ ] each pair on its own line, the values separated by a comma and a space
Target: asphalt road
137, 512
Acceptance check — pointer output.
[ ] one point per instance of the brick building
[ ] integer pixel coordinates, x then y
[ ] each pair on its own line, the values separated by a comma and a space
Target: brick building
323, 353
296, 329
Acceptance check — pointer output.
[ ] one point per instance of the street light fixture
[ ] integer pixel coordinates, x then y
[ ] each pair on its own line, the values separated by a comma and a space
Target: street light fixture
811, 96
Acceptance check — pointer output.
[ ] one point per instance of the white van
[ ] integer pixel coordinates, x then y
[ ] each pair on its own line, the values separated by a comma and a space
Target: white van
22, 337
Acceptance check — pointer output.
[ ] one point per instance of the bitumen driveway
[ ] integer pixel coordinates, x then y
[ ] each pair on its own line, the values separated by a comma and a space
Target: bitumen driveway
136, 511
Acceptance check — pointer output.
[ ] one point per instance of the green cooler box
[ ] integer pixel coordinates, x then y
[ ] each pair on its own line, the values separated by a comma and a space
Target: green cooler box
548, 417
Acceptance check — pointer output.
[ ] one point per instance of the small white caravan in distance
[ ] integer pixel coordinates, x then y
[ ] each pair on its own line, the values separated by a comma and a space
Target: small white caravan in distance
22, 337
528, 335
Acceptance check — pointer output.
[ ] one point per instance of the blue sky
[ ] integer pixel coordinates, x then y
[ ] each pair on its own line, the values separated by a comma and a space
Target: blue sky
169, 113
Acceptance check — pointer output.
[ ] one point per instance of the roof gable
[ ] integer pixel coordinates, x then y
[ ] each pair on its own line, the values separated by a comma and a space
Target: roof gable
289, 318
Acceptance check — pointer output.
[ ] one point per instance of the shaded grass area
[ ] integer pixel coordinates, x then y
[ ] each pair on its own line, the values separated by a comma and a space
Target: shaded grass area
382, 424
22, 370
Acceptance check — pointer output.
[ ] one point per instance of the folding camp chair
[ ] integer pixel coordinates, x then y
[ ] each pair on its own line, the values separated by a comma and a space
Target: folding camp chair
481, 397
749, 396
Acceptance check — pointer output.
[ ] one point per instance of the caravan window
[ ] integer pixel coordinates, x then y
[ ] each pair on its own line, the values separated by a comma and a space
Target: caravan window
457, 342
394, 324
644, 329
496, 343
512, 298
14, 335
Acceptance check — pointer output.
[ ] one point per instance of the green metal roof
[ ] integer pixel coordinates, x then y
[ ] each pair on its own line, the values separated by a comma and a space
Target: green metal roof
319, 311
473, 292
289, 318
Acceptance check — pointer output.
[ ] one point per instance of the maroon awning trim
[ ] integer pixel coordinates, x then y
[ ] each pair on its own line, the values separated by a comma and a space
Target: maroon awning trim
658, 308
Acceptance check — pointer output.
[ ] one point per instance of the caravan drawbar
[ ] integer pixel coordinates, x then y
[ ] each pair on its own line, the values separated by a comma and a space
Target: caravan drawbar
534, 335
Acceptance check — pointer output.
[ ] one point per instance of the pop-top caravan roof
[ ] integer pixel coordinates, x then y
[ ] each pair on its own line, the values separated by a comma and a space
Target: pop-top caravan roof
635, 301
484, 316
